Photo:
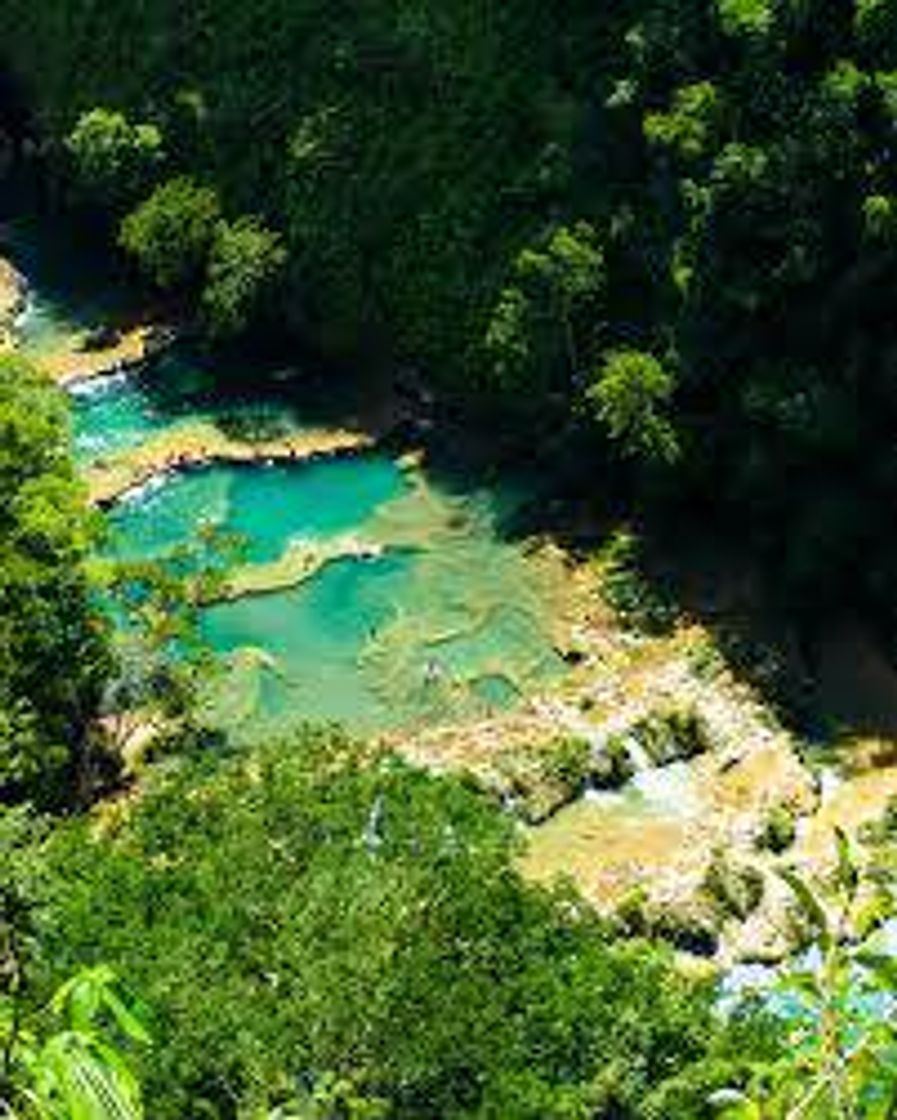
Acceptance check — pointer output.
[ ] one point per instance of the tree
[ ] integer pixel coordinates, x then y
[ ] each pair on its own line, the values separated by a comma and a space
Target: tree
244, 264
745, 17
839, 1064
545, 318
54, 653
627, 397
692, 126
162, 667
78, 1072
170, 234
880, 218
113, 160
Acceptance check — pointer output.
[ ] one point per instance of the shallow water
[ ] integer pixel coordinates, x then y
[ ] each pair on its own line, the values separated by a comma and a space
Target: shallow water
113, 413
447, 621
317, 634
444, 619
267, 505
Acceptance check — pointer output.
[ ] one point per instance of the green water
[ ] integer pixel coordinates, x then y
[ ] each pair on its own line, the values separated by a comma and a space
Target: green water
447, 622
318, 634
268, 506
444, 620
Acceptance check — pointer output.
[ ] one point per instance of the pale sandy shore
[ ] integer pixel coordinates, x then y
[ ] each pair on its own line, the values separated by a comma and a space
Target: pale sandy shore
301, 560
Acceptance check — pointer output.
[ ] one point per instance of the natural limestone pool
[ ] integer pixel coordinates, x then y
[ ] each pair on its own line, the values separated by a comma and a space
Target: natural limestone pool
417, 607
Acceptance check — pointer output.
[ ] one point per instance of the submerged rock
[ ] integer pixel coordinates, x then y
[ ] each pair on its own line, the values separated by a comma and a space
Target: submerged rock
98, 338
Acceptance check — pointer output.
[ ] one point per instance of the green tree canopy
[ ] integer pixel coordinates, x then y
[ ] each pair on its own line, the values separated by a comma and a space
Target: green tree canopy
301, 916
244, 264
113, 160
545, 319
170, 234
629, 397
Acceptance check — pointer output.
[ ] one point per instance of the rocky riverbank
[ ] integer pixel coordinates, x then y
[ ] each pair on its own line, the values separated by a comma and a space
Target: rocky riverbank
649, 772
106, 354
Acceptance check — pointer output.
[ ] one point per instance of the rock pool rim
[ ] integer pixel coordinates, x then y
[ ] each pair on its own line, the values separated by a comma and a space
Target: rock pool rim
194, 465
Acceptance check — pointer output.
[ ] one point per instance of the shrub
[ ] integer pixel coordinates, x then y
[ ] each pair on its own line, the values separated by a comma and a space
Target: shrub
568, 760
671, 734
686, 927
613, 766
638, 602
546, 776
735, 890
706, 660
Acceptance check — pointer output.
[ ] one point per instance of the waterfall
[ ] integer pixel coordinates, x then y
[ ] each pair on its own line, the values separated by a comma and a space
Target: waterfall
640, 758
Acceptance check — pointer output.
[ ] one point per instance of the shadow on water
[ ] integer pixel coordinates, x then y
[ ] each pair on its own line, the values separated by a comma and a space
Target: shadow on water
823, 665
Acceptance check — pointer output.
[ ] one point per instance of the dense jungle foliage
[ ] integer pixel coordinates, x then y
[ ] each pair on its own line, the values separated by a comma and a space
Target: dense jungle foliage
298, 916
670, 220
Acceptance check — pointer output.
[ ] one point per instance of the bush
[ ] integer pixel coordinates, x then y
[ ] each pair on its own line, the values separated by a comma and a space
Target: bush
546, 776
614, 766
672, 734
636, 600
735, 890
706, 660
686, 927
568, 761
